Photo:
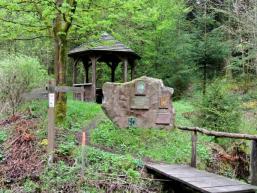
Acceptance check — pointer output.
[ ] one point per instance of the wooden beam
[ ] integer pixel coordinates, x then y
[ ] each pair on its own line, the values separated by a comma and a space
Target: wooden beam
94, 60
253, 164
125, 70
219, 134
194, 150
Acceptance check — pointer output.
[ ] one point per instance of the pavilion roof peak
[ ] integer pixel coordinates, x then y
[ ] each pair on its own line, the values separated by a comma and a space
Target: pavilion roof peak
106, 43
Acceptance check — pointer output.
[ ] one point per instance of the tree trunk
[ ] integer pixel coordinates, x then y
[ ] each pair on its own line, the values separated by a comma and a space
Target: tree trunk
61, 27
60, 61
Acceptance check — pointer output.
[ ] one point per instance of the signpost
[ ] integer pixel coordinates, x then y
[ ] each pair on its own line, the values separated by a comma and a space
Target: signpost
49, 93
51, 121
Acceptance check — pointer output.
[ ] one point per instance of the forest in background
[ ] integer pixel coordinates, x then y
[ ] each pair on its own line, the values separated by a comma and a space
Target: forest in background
205, 49
185, 43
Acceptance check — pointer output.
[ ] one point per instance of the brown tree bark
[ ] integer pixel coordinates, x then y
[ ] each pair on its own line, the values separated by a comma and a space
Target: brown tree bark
61, 26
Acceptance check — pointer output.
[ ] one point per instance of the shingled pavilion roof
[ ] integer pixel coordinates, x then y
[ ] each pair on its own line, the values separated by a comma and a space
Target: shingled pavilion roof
106, 44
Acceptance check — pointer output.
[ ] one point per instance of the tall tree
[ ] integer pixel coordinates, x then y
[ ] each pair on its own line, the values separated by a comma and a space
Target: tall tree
61, 25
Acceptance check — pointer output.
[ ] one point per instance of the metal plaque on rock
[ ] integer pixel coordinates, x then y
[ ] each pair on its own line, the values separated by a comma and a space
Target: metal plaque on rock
164, 102
140, 87
163, 118
132, 122
140, 102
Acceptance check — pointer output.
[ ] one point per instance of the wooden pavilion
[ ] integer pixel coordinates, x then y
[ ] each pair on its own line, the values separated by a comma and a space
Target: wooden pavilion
107, 50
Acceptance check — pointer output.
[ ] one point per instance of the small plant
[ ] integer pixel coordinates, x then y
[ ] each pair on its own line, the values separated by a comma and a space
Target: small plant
3, 136
30, 186
219, 110
66, 148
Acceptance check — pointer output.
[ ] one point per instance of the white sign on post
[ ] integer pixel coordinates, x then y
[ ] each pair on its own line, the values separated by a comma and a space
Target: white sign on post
51, 99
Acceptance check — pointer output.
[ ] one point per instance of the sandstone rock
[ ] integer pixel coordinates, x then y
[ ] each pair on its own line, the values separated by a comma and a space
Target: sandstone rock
144, 102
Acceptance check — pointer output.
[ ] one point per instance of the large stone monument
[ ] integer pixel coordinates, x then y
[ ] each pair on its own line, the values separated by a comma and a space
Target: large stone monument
144, 102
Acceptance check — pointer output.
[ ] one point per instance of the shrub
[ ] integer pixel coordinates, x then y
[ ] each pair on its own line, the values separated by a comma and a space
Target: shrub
19, 74
219, 110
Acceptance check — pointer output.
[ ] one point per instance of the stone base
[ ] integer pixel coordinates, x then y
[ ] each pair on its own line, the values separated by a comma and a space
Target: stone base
144, 102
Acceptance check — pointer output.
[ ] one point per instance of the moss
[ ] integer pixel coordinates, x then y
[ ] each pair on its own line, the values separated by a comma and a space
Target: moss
61, 108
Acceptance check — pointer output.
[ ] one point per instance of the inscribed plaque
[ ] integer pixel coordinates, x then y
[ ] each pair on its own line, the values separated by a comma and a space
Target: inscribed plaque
163, 118
164, 102
140, 102
140, 87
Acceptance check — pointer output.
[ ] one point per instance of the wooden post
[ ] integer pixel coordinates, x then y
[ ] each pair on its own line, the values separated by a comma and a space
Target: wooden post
86, 69
253, 166
51, 121
194, 142
113, 68
74, 76
87, 74
113, 74
93, 59
82, 94
133, 70
83, 154
125, 70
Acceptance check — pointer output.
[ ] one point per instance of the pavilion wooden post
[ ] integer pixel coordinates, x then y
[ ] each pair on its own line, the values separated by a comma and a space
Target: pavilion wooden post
51, 121
125, 70
87, 74
86, 69
253, 164
194, 144
93, 59
74, 76
113, 68
132, 70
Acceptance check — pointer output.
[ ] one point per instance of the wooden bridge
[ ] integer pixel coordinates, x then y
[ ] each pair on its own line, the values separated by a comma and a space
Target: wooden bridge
202, 181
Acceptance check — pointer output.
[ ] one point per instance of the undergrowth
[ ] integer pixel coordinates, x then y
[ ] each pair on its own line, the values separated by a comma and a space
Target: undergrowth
118, 164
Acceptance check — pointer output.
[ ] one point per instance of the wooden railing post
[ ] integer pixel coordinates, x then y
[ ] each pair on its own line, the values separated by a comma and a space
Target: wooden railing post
194, 142
253, 166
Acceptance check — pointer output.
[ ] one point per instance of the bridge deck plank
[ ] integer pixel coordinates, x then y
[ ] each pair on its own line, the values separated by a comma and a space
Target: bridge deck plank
200, 180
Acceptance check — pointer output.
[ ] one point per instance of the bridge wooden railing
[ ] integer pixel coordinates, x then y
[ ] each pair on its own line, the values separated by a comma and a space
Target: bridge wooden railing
253, 156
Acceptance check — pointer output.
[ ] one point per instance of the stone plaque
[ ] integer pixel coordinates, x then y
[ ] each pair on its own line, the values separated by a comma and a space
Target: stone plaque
164, 102
132, 122
140, 102
163, 118
140, 88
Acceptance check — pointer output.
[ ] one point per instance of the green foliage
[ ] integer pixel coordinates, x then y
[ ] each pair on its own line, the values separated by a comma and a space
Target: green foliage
79, 114
19, 74
156, 144
3, 136
30, 187
59, 177
183, 107
219, 109
101, 166
67, 147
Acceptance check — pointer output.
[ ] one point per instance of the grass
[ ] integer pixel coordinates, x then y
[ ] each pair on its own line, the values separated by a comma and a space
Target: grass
181, 107
159, 145
129, 148
171, 146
